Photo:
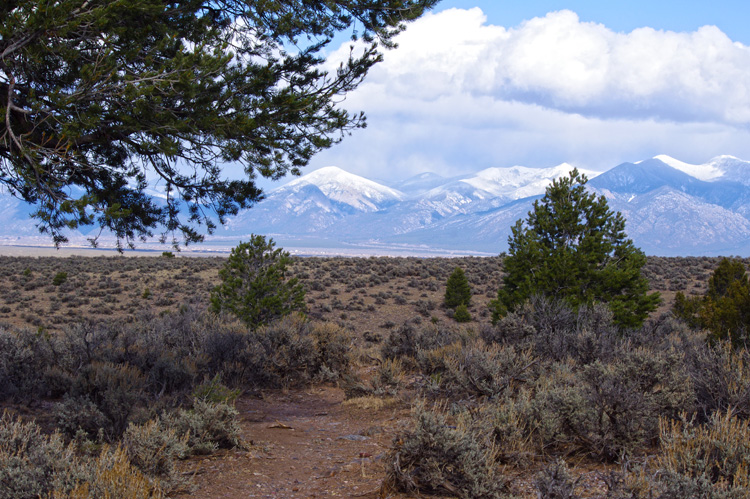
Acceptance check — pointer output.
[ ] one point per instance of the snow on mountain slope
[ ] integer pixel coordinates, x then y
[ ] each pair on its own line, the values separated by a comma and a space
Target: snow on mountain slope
344, 187
733, 169
644, 176
705, 172
419, 184
519, 181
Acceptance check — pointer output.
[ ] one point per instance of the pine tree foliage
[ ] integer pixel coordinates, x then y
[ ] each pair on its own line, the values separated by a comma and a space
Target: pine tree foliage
254, 286
457, 289
725, 308
573, 247
102, 98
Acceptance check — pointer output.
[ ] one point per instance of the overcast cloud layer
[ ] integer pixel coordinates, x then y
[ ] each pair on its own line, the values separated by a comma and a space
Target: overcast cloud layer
459, 95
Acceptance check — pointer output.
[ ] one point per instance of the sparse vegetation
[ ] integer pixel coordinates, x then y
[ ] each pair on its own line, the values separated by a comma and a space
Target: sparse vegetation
526, 407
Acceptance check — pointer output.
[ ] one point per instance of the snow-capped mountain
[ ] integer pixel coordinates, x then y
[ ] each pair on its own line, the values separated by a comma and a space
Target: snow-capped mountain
345, 188
519, 181
671, 208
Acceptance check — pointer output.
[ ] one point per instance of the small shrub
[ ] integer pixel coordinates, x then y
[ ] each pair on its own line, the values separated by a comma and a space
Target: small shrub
612, 409
213, 391
508, 421
407, 341
116, 390
696, 455
153, 449
462, 314
436, 458
60, 278
556, 482
109, 476
76, 414
24, 361
720, 376
294, 351
479, 369
33, 464
209, 426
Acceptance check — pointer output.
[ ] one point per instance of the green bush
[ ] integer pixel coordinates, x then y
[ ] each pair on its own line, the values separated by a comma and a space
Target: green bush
254, 286
213, 391
462, 314
457, 289
60, 278
725, 308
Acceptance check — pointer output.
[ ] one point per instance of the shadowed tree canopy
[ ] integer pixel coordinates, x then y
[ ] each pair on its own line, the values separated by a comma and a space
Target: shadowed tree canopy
101, 98
573, 247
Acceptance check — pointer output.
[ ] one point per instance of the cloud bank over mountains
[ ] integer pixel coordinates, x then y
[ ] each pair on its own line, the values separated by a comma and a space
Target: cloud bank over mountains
459, 92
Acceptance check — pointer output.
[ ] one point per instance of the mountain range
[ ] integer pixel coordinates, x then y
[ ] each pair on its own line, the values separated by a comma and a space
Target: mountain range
671, 208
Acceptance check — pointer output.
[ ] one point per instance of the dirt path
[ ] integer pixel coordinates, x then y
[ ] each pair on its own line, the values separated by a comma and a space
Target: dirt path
310, 443
304, 444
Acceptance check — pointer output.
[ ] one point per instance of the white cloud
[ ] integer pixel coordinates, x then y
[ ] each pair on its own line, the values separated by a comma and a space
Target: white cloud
557, 61
459, 94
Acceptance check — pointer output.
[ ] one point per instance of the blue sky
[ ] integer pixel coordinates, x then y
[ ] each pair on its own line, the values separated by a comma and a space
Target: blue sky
731, 17
478, 84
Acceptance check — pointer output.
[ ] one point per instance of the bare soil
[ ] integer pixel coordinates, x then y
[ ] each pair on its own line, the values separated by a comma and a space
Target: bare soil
303, 443
310, 443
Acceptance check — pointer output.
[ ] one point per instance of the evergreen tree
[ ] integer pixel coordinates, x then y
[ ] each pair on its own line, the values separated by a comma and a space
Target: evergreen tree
99, 98
573, 247
253, 285
725, 309
457, 289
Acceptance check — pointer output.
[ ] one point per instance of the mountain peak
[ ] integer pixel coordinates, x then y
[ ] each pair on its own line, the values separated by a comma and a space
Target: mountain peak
348, 188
